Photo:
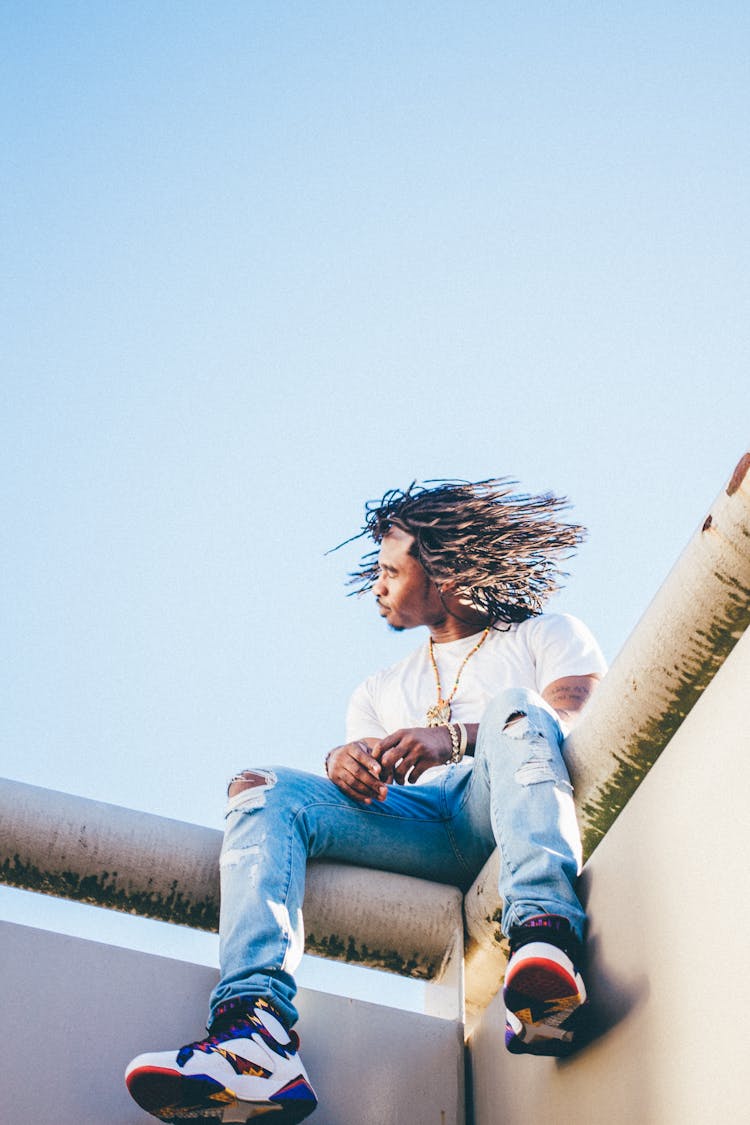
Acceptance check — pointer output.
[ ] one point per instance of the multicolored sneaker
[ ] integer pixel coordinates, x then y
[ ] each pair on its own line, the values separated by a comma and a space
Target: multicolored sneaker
544, 992
247, 1066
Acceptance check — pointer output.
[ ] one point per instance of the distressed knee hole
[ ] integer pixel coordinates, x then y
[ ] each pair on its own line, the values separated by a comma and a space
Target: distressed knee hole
248, 789
248, 779
513, 719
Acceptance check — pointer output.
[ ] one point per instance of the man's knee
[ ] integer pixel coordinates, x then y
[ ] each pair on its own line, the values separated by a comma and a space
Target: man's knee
250, 779
514, 717
510, 706
248, 789
520, 713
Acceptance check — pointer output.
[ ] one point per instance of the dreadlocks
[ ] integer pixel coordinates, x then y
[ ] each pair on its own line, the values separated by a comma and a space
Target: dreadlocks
500, 549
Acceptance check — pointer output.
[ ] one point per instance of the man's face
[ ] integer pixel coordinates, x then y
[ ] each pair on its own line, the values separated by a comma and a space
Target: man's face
406, 596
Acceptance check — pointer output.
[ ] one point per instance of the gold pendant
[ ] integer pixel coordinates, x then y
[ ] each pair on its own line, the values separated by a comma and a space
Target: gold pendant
439, 714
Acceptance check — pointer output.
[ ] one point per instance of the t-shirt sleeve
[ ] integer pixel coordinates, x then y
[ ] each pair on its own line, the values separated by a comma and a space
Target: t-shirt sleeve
361, 717
563, 646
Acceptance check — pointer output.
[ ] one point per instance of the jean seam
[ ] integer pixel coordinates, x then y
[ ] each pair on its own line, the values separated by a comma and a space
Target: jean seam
371, 810
450, 817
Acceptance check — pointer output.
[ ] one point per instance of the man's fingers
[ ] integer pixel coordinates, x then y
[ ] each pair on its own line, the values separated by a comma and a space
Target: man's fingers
393, 763
361, 784
402, 769
363, 798
360, 752
392, 755
418, 770
363, 773
362, 790
355, 756
389, 741
358, 774
386, 776
365, 782
399, 774
350, 785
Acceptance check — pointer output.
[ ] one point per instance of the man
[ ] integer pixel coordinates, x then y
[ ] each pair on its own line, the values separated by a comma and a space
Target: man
450, 752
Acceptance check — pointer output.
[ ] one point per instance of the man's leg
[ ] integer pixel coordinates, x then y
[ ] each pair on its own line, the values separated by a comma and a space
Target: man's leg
276, 820
520, 774
276, 823
520, 767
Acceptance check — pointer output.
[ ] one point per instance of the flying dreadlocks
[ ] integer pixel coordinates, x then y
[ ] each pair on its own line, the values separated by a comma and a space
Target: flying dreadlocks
499, 548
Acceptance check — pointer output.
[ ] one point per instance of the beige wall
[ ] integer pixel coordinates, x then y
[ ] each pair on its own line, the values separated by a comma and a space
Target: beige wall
669, 931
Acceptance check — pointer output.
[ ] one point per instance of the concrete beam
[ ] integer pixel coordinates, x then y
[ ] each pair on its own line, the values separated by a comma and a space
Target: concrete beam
139, 863
681, 641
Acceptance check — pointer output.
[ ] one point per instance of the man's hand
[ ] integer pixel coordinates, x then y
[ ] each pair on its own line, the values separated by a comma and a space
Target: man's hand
357, 771
406, 754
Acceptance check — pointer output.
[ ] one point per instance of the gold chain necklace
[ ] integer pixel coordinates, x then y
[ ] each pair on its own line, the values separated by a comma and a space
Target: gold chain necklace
440, 713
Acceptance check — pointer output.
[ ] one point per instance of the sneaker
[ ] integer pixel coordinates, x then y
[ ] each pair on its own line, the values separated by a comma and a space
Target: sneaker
247, 1066
544, 992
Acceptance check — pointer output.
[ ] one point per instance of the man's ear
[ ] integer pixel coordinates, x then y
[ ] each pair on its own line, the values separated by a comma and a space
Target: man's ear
449, 586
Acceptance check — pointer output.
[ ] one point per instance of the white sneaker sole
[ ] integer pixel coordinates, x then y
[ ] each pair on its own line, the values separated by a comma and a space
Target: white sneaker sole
542, 992
173, 1096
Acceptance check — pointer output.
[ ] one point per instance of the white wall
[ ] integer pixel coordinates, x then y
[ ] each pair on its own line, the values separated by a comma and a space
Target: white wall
75, 1012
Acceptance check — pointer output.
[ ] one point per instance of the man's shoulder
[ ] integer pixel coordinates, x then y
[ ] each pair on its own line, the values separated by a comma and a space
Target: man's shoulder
547, 624
533, 630
555, 640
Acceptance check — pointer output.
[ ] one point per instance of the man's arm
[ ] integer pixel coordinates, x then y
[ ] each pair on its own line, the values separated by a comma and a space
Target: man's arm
411, 752
363, 769
569, 695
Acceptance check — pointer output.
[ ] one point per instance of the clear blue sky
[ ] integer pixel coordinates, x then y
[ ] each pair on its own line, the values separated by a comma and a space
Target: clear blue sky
263, 261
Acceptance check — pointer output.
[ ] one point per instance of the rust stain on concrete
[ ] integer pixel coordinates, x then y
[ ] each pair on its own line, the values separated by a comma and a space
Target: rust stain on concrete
337, 947
739, 475
105, 889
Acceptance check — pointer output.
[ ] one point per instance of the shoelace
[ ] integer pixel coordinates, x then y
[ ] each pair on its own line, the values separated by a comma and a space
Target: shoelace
233, 1030
240, 1026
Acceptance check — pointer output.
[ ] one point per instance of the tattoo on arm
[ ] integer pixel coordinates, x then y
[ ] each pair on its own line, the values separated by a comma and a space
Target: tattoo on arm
566, 695
570, 697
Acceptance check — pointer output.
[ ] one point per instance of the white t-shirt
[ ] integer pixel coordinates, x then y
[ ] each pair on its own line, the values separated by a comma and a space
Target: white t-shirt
532, 654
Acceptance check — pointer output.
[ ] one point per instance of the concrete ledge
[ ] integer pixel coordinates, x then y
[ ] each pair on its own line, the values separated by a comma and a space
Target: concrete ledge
139, 863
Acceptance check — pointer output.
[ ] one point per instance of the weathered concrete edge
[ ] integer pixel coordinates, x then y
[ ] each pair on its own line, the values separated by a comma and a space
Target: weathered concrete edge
138, 863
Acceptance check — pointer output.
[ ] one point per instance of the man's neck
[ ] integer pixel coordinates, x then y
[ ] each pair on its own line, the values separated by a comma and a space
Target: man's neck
452, 628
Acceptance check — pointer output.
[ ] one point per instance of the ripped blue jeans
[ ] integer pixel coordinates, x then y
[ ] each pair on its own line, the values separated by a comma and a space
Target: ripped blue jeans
516, 795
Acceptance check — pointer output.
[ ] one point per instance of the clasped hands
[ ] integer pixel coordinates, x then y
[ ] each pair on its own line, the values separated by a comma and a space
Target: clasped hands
364, 769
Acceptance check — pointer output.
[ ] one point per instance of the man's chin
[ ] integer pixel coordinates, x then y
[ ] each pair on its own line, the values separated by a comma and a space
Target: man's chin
396, 628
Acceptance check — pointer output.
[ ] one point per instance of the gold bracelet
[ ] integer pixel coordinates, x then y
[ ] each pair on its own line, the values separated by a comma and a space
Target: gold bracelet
464, 738
456, 754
